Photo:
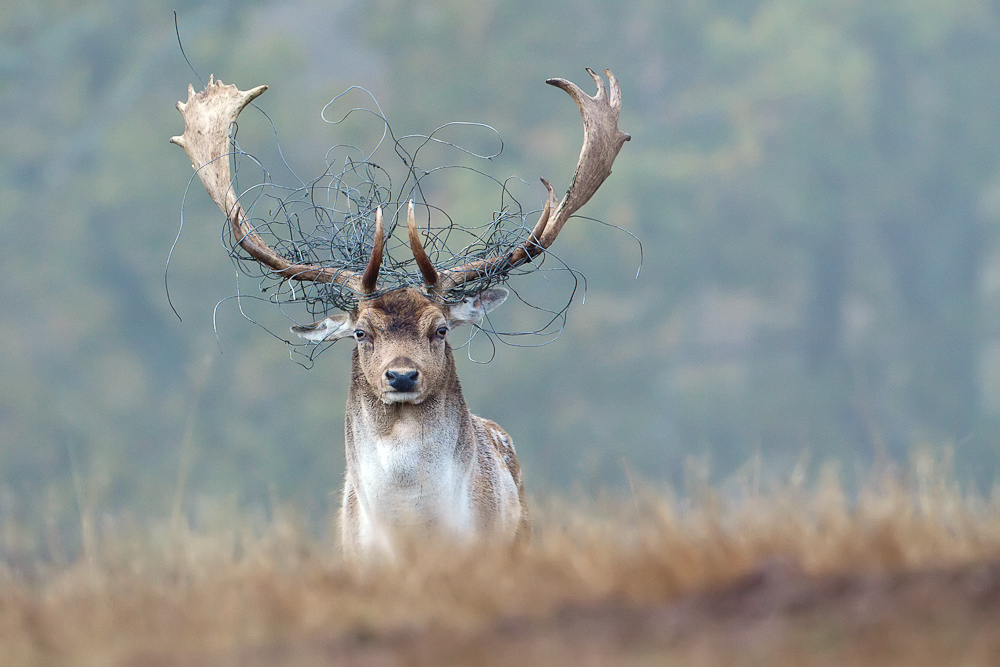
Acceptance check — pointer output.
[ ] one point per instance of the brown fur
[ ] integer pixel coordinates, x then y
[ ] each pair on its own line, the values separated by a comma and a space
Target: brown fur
424, 463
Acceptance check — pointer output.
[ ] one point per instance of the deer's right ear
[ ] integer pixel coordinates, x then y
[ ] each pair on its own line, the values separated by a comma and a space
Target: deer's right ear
328, 328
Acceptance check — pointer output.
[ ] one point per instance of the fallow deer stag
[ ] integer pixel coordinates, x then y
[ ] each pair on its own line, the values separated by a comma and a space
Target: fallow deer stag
415, 455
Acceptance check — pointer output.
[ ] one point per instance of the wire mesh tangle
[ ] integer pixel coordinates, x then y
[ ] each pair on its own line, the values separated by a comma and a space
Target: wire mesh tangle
329, 221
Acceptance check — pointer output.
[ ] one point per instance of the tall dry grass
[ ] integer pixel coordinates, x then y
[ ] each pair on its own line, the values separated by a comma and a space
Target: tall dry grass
215, 595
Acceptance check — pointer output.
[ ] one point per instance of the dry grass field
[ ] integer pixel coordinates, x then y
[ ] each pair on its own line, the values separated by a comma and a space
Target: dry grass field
905, 572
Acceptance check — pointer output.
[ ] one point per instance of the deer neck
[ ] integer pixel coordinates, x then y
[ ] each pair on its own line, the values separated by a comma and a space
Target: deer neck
410, 462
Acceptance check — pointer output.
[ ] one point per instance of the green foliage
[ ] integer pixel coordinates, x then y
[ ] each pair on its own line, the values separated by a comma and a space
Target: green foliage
814, 185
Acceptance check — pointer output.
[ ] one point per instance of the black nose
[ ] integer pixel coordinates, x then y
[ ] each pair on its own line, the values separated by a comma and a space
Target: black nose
402, 380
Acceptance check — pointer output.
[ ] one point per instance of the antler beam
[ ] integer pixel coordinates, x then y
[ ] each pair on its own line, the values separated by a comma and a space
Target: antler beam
208, 116
602, 140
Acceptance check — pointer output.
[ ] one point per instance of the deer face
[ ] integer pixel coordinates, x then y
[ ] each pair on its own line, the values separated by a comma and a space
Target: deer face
402, 339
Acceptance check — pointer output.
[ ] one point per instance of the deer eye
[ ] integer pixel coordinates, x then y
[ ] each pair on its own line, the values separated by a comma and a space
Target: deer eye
360, 335
442, 331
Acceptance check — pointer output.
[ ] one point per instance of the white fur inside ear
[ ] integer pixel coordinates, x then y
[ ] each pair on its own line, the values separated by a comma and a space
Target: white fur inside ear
329, 328
472, 309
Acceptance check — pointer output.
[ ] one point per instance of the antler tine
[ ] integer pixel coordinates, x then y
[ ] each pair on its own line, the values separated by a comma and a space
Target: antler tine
208, 116
601, 90
602, 140
369, 280
424, 263
616, 92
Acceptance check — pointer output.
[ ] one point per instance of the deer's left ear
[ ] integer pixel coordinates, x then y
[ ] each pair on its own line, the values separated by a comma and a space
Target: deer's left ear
472, 309
328, 328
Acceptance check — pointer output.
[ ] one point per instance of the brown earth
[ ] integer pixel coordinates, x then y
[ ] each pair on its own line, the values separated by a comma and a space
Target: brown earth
776, 615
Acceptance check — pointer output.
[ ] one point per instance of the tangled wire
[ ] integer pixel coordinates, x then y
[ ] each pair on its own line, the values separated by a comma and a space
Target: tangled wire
329, 221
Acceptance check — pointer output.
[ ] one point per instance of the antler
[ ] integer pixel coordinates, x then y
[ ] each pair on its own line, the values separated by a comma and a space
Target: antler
208, 116
424, 263
601, 143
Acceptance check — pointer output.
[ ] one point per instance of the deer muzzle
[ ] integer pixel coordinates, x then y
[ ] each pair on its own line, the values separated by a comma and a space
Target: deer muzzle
402, 380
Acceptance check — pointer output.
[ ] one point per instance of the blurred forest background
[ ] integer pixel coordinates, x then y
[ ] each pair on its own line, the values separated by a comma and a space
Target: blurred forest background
816, 185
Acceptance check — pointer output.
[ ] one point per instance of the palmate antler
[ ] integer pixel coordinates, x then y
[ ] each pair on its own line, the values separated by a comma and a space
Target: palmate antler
602, 141
208, 116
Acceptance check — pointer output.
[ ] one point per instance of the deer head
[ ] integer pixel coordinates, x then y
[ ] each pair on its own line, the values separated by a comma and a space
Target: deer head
401, 336
402, 348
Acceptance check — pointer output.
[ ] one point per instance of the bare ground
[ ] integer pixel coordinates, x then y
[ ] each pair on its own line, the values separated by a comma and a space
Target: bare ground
776, 615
